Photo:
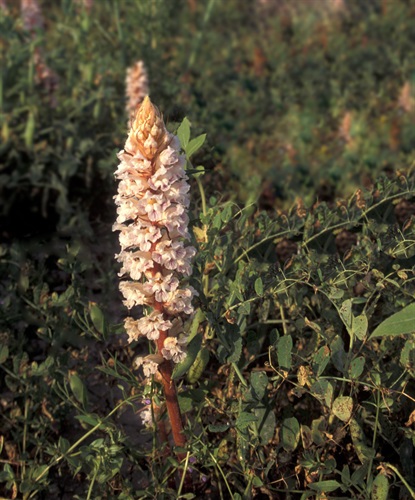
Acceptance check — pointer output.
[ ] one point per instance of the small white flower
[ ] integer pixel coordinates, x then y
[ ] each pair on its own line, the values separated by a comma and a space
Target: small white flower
152, 203
135, 263
134, 294
148, 326
146, 417
161, 286
150, 367
180, 301
173, 348
151, 325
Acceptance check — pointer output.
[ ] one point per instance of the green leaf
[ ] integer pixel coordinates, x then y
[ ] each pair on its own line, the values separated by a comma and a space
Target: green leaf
325, 486
265, 424
321, 360
257, 482
407, 357
323, 391
364, 453
290, 434
194, 145
356, 367
259, 382
400, 323
338, 354
318, 428
259, 287
380, 488
360, 473
192, 350
183, 133
4, 353
63, 445
236, 351
7, 474
359, 326
343, 408
335, 293
346, 314
218, 428
78, 388
244, 420
194, 327
345, 475
284, 348
90, 419
97, 318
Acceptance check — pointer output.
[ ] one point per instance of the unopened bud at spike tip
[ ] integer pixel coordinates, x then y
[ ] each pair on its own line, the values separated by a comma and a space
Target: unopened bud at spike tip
148, 133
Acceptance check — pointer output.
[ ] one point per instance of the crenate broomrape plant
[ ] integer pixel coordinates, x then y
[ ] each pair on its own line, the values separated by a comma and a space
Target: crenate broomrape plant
31, 15
136, 87
87, 4
45, 77
152, 204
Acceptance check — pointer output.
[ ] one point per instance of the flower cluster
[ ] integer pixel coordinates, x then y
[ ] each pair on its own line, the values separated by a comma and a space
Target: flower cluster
152, 203
87, 4
136, 86
45, 77
31, 15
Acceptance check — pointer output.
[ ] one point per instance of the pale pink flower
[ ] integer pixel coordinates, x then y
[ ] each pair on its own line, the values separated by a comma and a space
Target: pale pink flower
147, 417
180, 301
31, 15
151, 325
136, 86
134, 294
88, 4
135, 264
161, 286
132, 165
173, 348
150, 367
152, 203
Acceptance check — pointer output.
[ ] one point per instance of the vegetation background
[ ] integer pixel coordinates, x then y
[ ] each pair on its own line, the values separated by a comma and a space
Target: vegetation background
300, 377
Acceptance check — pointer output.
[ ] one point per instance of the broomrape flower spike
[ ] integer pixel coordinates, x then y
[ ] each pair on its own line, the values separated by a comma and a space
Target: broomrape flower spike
136, 86
152, 203
31, 15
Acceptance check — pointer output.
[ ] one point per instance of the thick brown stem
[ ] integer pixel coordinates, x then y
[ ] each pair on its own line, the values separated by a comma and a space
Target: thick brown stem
172, 404
169, 387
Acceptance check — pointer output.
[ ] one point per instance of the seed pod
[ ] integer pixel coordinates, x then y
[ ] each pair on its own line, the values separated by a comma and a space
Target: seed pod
199, 365
29, 130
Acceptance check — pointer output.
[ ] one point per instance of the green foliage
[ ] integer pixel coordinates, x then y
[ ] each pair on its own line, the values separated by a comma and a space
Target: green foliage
299, 377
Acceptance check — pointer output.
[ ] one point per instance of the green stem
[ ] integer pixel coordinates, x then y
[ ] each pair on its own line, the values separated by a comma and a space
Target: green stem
218, 467
240, 376
186, 463
363, 216
202, 195
91, 486
205, 278
56, 460
252, 247
396, 471
375, 431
